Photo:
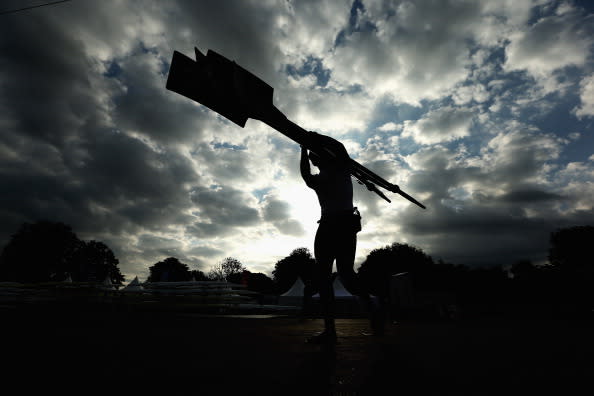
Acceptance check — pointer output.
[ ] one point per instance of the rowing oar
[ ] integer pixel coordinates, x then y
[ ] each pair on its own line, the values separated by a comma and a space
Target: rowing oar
228, 89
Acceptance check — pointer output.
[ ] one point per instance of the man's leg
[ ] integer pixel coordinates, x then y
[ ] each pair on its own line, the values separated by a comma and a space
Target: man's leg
326, 295
324, 259
345, 262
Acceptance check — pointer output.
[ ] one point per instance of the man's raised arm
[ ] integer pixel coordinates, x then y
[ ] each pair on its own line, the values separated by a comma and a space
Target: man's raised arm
305, 168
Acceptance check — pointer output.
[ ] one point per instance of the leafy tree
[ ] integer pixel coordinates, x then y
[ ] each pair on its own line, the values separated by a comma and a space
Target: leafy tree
259, 282
94, 261
169, 270
39, 252
299, 263
216, 273
199, 275
45, 251
233, 269
571, 249
533, 283
230, 270
524, 270
572, 255
384, 262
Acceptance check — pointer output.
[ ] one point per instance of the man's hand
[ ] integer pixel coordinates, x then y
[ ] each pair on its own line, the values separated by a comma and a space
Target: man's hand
304, 167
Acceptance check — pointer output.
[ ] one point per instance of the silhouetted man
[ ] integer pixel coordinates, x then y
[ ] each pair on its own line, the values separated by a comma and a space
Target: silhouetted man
336, 238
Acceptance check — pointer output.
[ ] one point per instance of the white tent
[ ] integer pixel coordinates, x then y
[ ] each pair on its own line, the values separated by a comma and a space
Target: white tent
107, 285
133, 286
293, 296
296, 290
344, 301
340, 292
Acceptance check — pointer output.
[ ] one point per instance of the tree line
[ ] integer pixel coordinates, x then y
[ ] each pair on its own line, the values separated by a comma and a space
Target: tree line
47, 251
50, 251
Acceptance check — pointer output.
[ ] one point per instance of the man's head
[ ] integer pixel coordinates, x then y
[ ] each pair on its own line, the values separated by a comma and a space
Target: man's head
333, 152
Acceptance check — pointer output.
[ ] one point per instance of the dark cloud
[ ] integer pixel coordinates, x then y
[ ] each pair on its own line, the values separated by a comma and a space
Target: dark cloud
224, 206
242, 31
165, 117
487, 209
46, 90
205, 251
224, 164
278, 213
529, 195
275, 210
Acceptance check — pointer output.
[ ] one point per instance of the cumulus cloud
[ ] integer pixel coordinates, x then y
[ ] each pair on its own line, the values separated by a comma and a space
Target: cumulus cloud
389, 126
405, 54
466, 94
586, 108
223, 206
278, 213
497, 198
553, 42
440, 125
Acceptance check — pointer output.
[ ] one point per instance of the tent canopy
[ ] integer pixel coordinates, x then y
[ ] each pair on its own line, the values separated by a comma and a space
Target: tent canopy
296, 290
339, 290
134, 285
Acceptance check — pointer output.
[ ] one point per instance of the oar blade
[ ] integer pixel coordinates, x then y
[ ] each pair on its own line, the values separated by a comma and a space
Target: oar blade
219, 84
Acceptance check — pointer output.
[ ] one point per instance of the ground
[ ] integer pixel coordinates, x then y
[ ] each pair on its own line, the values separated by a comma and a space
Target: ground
85, 349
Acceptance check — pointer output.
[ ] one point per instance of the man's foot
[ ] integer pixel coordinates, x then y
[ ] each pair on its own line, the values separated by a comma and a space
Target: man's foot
376, 329
371, 333
324, 337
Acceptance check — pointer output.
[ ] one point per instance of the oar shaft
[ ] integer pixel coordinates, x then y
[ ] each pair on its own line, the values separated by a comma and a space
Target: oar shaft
278, 121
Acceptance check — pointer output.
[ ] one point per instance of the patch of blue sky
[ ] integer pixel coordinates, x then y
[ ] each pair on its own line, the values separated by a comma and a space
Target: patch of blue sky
387, 111
279, 142
549, 8
588, 5
477, 139
555, 114
496, 57
312, 66
113, 70
228, 146
279, 174
468, 146
352, 89
261, 193
164, 66
579, 149
404, 147
459, 193
354, 24
408, 146
147, 50
164, 63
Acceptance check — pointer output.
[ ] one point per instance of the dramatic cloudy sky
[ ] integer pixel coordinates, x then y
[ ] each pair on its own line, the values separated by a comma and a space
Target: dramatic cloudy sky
483, 110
